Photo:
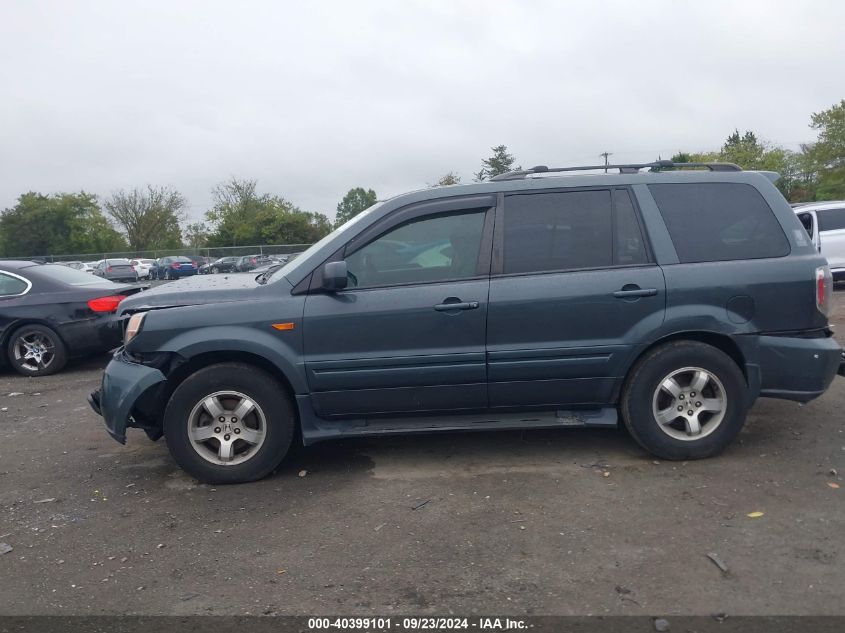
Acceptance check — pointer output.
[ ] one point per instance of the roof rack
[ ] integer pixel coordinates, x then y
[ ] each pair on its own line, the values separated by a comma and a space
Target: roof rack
632, 168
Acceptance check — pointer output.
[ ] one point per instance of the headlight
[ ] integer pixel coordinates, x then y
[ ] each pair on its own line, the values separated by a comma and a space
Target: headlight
133, 327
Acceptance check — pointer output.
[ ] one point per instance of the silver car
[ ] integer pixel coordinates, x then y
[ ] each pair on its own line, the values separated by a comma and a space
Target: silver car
116, 270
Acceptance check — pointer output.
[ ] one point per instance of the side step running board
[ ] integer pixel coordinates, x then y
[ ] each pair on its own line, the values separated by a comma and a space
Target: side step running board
473, 422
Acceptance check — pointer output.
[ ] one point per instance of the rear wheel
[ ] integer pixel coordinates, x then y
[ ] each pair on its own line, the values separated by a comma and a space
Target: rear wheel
229, 423
685, 400
36, 350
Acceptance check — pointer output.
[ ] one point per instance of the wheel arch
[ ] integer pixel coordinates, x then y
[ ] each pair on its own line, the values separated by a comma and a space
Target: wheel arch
13, 327
150, 406
205, 359
722, 342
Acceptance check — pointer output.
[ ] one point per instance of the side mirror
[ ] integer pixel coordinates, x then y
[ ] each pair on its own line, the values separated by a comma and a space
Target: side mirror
335, 276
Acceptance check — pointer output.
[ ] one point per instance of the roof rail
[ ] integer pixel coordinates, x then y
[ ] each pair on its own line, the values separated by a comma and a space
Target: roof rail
657, 165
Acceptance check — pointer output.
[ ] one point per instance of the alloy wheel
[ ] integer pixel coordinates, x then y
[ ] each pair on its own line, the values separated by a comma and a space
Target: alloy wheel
689, 404
34, 351
227, 428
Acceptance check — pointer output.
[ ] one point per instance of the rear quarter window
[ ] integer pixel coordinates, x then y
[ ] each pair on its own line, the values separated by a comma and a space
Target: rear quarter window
710, 222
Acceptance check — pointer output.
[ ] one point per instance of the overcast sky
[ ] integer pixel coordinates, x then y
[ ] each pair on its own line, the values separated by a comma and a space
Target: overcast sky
313, 98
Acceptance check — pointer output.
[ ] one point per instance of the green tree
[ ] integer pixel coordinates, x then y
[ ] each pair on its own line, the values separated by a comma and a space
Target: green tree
64, 223
499, 163
450, 178
242, 216
355, 201
196, 235
148, 217
824, 160
749, 152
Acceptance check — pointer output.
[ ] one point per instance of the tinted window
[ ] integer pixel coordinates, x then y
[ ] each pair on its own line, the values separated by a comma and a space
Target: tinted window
428, 249
715, 221
831, 219
557, 231
11, 285
628, 245
117, 262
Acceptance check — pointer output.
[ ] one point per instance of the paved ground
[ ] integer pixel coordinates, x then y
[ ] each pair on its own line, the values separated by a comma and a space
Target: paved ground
563, 522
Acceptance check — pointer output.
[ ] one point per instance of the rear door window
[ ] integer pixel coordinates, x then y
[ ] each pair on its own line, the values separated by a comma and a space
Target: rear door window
717, 221
628, 243
557, 231
831, 219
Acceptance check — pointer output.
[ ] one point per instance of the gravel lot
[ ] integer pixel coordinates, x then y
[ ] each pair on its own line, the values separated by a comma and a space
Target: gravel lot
541, 522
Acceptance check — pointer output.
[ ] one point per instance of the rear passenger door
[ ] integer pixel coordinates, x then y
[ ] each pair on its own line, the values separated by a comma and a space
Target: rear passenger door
573, 289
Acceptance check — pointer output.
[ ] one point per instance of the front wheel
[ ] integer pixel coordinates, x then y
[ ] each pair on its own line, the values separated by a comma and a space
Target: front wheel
229, 423
685, 400
36, 350
215, 270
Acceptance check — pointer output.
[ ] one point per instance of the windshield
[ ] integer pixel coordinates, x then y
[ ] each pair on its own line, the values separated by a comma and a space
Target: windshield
67, 275
303, 256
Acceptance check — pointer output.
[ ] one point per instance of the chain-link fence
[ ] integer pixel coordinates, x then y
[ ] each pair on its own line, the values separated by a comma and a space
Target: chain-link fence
213, 253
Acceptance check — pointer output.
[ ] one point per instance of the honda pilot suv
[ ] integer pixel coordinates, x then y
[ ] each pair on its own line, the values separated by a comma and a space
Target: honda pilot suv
667, 299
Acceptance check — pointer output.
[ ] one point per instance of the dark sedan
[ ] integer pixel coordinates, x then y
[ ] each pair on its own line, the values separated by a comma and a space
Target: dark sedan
49, 313
222, 265
248, 262
173, 267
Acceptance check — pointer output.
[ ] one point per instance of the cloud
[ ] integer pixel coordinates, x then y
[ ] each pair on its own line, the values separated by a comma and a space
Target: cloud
315, 98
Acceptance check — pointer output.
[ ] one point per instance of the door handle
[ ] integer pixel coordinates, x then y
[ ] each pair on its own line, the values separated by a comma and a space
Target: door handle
632, 291
456, 305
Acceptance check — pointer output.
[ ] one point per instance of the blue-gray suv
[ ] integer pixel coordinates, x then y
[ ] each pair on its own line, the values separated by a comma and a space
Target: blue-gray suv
669, 299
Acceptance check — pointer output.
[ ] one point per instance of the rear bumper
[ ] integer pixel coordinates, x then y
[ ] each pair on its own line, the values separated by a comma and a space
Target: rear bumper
793, 368
95, 334
123, 383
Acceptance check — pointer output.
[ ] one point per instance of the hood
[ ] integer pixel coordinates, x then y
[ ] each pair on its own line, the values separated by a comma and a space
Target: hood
195, 290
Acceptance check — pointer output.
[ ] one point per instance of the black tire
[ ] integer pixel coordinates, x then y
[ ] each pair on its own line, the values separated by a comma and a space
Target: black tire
215, 270
27, 334
168, 275
264, 391
641, 400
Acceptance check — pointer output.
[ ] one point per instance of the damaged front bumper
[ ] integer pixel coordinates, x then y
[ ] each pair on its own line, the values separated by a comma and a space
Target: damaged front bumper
123, 383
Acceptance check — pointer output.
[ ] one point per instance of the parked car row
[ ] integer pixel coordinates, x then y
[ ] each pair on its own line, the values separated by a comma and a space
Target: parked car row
243, 263
163, 267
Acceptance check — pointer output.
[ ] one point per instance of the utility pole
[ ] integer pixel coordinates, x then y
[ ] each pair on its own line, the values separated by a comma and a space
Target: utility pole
605, 155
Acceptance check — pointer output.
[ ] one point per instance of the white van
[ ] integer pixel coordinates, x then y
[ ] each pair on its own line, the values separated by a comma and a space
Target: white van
825, 223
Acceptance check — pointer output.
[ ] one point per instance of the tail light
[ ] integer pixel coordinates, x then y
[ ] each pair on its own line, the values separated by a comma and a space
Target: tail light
108, 270
824, 286
175, 265
194, 264
106, 304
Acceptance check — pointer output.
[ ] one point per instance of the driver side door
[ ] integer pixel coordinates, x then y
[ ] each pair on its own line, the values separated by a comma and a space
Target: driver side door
408, 334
